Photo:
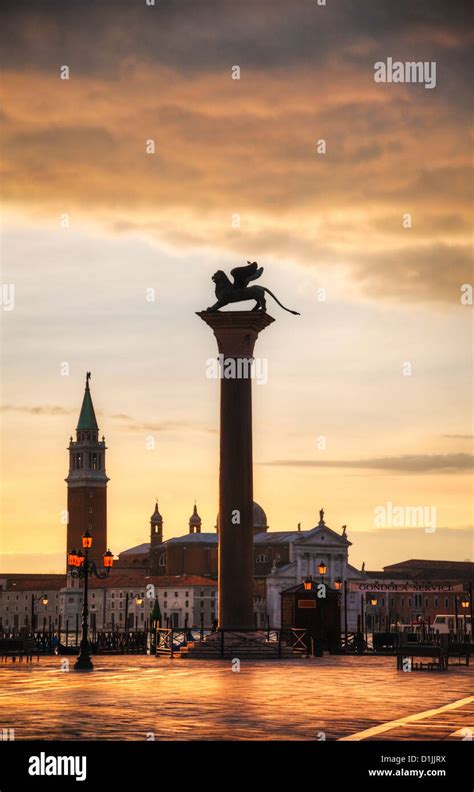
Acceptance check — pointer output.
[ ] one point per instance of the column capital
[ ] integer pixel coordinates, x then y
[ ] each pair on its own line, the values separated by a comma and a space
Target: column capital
236, 331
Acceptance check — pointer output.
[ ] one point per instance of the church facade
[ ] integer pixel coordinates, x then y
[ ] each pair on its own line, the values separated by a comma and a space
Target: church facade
282, 559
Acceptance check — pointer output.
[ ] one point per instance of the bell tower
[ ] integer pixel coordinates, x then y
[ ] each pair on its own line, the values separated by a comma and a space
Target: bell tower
195, 521
87, 482
156, 528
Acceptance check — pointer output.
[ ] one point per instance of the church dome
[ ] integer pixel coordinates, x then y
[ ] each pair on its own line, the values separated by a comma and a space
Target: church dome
259, 519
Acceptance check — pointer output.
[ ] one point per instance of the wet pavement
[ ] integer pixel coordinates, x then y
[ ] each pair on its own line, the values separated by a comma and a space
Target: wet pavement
142, 697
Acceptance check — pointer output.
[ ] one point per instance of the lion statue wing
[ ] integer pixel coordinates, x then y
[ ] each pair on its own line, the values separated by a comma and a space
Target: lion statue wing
243, 275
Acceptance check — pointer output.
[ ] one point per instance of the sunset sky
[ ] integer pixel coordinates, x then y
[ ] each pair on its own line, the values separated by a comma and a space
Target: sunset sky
166, 221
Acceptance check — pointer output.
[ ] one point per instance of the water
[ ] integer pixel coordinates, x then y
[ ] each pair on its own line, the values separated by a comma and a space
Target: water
131, 697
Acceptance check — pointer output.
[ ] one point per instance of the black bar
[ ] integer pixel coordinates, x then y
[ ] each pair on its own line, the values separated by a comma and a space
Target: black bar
356, 762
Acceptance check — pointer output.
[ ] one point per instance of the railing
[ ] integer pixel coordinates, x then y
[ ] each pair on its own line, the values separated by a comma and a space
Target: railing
164, 644
391, 640
102, 641
170, 641
297, 639
353, 643
17, 647
113, 642
269, 646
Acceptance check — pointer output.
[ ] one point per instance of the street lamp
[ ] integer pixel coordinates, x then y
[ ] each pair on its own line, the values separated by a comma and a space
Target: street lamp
138, 601
322, 571
72, 558
464, 602
338, 584
308, 583
80, 567
44, 600
87, 541
371, 599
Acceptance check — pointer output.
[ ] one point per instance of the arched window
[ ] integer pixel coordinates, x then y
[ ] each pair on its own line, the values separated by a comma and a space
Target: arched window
162, 560
262, 558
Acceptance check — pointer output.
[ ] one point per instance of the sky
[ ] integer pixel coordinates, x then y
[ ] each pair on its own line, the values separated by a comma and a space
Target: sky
110, 248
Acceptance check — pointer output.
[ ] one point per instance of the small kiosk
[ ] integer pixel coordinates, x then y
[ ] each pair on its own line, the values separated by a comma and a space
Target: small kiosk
314, 607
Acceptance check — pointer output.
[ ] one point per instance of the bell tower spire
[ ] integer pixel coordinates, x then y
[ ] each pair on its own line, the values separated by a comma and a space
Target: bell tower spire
156, 527
87, 481
87, 420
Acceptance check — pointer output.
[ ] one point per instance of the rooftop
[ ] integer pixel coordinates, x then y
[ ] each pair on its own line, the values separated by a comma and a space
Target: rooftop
141, 581
418, 563
56, 582
262, 537
194, 538
33, 582
419, 569
137, 550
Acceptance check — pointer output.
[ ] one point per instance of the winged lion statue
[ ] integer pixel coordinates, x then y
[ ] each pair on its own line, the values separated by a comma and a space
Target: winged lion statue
238, 291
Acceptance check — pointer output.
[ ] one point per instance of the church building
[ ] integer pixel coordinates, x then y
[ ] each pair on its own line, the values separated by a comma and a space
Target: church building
282, 559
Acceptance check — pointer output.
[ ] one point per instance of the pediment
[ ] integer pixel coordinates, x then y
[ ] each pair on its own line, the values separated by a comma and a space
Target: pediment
322, 535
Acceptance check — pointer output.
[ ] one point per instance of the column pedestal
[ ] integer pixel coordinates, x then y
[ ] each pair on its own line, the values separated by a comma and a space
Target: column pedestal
236, 333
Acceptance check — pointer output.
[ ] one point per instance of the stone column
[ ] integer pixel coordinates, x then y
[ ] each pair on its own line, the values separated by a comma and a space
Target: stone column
236, 333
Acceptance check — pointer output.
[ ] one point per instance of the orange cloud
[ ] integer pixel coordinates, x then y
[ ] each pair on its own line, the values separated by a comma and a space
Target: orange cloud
226, 147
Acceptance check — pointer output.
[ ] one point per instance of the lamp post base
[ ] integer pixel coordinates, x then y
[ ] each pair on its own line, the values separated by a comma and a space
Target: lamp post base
84, 662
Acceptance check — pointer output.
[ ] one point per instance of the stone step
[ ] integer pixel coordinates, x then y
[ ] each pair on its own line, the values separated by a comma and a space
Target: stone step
213, 651
239, 649
238, 656
232, 655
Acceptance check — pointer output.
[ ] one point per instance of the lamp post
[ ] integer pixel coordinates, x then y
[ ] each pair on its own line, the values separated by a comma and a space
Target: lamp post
464, 601
338, 586
81, 567
44, 600
322, 569
471, 610
138, 601
371, 600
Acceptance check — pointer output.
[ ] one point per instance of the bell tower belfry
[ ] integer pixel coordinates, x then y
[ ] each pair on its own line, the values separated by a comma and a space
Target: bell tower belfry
87, 482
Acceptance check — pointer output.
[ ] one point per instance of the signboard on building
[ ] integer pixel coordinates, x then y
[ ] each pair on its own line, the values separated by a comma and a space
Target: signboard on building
409, 587
306, 603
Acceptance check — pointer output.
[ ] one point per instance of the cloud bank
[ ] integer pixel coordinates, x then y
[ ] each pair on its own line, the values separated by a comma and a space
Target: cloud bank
248, 147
